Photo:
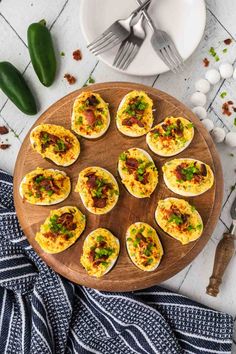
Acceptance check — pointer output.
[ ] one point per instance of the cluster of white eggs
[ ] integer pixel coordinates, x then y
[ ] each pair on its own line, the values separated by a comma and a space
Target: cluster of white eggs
199, 99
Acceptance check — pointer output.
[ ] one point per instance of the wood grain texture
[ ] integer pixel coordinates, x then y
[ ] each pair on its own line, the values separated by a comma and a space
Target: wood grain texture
104, 152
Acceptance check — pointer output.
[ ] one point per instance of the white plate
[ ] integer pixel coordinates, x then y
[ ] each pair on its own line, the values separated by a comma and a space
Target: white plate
184, 20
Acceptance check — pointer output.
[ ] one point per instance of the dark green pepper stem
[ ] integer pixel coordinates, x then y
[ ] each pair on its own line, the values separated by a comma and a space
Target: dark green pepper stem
43, 22
42, 52
14, 86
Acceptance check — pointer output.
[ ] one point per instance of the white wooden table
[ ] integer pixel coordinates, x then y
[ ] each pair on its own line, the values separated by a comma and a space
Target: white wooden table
62, 17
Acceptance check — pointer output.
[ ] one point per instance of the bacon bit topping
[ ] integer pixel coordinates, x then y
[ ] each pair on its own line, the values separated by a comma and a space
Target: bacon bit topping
228, 41
135, 111
144, 247
203, 170
91, 182
70, 79
61, 225
178, 174
185, 172
143, 179
132, 164
142, 239
179, 129
90, 117
66, 220
92, 101
225, 109
4, 146
92, 113
51, 235
48, 138
49, 185
98, 189
176, 216
132, 120
92, 255
99, 202
60, 146
4, 130
170, 130
100, 252
156, 131
77, 55
41, 183
138, 168
206, 62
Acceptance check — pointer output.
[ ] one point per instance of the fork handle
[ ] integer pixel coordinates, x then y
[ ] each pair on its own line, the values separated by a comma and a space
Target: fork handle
148, 18
142, 6
224, 252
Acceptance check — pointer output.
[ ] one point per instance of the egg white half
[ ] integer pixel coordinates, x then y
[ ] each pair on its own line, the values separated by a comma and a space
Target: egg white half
113, 262
195, 211
122, 175
110, 206
94, 135
119, 125
128, 234
32, 142
43, 203
183, 193
160, 153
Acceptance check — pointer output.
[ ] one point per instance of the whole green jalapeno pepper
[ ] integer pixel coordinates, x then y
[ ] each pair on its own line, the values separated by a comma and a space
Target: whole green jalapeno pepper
15, 87
42, 52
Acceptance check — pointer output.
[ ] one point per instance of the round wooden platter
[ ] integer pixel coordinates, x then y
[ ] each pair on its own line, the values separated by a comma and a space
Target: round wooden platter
104, 152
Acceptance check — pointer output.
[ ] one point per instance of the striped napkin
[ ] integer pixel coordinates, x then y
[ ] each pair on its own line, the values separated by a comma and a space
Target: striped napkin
41, 312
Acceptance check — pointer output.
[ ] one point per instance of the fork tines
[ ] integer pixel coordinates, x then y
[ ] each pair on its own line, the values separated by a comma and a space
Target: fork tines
116, 33
104, 42
125, 55
175, 56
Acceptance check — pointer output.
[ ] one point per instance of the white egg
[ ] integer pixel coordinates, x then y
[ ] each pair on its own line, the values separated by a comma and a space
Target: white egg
202, 85
218, 135
198, 99
213, 76
230, 139
208, 124
226, 70
200, 112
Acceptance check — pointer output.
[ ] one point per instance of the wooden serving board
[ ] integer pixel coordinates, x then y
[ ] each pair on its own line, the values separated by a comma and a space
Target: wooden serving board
104, 152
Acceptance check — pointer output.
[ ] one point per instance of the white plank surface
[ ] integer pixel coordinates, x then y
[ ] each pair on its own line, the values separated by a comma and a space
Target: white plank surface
62, 16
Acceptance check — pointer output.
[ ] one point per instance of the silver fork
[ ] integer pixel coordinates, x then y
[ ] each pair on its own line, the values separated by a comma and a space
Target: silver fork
116, 33
131, 45
164, 46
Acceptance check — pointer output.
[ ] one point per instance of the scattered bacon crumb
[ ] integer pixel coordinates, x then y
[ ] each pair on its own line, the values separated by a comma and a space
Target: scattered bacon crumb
228, 41
4, 130
225, 109
77, 55
70, 79
4, 146
206, 62
234, 109
230, 102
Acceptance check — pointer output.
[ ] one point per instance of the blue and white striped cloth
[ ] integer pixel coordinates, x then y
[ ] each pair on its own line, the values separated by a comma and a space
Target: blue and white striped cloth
41, 312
